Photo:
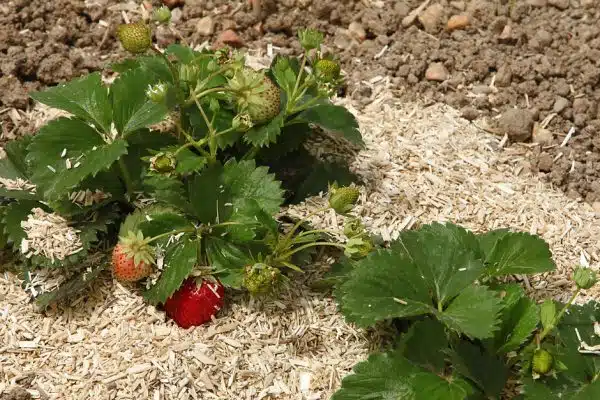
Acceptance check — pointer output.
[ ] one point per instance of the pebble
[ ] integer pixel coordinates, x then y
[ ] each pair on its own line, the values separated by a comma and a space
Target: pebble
230, 38
544, 37
506, 36
537, 3
458, 22
173, 3
481, 89
469, 113
205, 26
357, 31
431, 17
517, 124
503, 76
542, 136
459, 5
560, 104
596, 206
545, 162
588, 3
176, 15
560, 4
436, 72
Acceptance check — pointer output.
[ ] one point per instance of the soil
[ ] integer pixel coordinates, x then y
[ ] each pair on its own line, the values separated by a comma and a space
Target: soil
537, 55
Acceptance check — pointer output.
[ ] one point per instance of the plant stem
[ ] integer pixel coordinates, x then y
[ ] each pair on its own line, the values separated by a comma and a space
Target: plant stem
126, 178
196, 143
196, 96
298, 79
162, 235
212, 140
185, 146
308, 245
286, 239
329, 231
558, 317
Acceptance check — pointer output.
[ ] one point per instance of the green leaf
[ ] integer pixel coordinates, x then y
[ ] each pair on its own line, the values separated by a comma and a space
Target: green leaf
384, 285
487, 370
210, 199
82, 146
14, 214
519, 253
222, 120
250, 221
247, 181
157, 67
284, 73
13, 165
168, 191
390, 376
189, 162
167, 221
518, 324
228, 260
473, 312
86, 98
547, 313
140, 144
290, 139
424, 345
179, 263
132, 110
487, 240
183, 53
134, 220
335, 119
75, 285
264, 135
559, 389
338, 274
447, 256
320, 176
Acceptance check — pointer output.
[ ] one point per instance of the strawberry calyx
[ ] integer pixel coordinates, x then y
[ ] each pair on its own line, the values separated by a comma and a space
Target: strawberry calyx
135, 246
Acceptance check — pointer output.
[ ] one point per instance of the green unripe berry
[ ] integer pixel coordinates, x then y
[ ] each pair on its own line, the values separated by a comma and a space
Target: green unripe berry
584, 278
136, 37
162, 15
343, 199
163, 163
542, 361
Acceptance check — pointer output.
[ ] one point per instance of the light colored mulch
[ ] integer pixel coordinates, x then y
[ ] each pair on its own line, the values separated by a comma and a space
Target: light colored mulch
421, 165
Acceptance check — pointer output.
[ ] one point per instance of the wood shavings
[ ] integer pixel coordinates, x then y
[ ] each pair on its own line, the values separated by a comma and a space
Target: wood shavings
49, 235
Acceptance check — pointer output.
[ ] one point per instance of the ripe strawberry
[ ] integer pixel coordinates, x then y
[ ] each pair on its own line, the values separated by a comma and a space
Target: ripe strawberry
136, 37
132, 258
195, 302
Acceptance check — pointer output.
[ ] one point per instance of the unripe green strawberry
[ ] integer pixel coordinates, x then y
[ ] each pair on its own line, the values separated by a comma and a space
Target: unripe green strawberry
163, 163
327, 69
542, 361
353, 228
358, 247
261, 279
343, 199
162, 15
584, 278
136, 37
256, 95
157, 93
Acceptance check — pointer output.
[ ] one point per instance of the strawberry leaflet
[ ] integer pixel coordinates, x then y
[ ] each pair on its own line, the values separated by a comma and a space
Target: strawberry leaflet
85, 154
179, 262
86, 98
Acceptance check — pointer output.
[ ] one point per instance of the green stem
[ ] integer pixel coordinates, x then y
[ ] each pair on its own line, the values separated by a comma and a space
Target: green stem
212, 140
185, 146
309, 245
196, 143
298, 79
162, 235
196, 96
305, 106
558, 317
172, 68
286, 240
126, 178
329, 231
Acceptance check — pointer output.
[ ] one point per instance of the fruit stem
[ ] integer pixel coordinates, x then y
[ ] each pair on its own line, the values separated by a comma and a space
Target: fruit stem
162, 235
196, 143
196, 96
298, 79
212, 140
286, 240
558, 317
126, 178
185, 146
306, 246
305, 106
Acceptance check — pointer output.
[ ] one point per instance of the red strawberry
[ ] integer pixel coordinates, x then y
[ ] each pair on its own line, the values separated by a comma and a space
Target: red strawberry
132, 258
195, 302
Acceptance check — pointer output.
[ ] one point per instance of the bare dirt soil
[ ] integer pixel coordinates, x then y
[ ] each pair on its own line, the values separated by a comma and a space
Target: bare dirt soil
480, 56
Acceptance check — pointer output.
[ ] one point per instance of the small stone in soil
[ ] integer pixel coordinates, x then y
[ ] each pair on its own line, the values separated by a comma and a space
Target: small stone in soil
205, 26
458, 22
436, 72
469, 113
357, 31
431, 18
517, 124
545, 162
560, 104
503, 76
230, 38
542, 136
537, 3
560, 4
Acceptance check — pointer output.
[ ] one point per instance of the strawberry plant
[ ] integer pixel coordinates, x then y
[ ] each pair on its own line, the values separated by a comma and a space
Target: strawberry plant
464, 330
180, 165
